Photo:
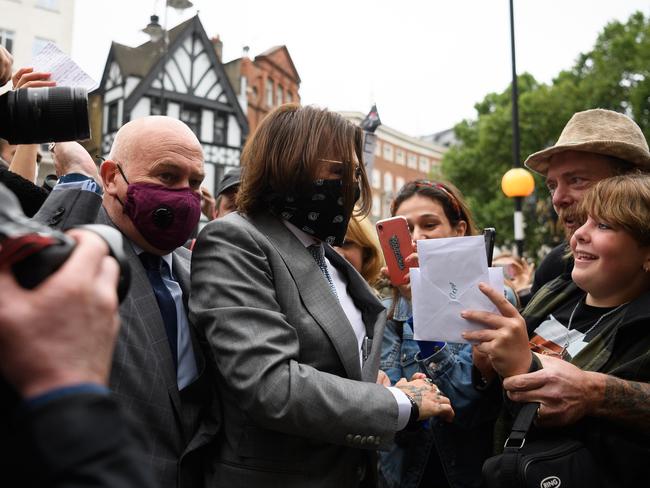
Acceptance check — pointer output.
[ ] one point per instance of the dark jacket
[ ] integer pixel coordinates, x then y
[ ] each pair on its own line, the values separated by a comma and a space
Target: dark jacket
556, 263
76, 441
622, 349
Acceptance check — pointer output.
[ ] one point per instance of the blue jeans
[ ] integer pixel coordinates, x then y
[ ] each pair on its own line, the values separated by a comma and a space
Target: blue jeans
462, 445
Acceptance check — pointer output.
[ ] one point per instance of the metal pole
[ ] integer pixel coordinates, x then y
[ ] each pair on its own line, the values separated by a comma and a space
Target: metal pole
516, 161
165, 40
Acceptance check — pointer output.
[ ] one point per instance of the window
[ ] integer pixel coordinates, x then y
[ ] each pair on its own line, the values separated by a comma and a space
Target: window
399, 183
278, 97
191, 115
424, 164
48, 4
378, 149
220, 128
388, 182
7, 39
376, 178
412, 161
38, 44
376, 206
289, 97
158, 106
269, 92
399, 156
388, 152
113, 123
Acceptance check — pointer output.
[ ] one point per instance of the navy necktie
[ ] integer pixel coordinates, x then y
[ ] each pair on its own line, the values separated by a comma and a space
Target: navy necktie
153, 266
318, 253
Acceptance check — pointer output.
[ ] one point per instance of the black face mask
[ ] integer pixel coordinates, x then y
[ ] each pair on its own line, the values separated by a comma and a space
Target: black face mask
319, 210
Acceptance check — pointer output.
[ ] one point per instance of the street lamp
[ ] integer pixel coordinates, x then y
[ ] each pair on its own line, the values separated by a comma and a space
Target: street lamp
156, 33
518, 183
516, 161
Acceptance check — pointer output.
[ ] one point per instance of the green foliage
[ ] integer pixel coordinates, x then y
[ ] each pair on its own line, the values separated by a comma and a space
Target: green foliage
615, 74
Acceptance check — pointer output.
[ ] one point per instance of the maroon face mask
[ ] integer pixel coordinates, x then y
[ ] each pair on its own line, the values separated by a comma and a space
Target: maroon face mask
164, 216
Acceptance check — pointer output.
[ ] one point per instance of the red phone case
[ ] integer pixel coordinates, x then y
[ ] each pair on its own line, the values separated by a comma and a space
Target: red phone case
395, 240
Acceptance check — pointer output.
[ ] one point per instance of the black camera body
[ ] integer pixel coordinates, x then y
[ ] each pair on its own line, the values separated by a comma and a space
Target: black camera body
35, 251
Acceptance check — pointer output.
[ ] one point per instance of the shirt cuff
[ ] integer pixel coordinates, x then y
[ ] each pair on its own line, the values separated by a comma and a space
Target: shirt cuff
75, 181
57, 393
403, 406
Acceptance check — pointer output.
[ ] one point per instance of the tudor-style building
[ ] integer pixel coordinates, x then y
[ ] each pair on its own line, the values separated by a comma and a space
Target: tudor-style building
182, 77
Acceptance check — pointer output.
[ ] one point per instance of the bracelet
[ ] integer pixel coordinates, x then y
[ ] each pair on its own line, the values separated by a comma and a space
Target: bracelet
415, 412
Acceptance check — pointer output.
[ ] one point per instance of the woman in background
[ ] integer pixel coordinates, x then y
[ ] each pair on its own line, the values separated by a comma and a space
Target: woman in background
433, 210
361, 249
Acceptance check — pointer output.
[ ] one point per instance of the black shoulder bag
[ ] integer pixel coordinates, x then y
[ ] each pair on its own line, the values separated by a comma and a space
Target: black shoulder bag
540, 463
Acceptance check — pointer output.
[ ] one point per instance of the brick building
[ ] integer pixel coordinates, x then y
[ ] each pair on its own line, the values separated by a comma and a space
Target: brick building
263, 83
399, 158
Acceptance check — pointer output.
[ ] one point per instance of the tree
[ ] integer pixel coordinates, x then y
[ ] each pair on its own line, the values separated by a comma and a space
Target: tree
615, 74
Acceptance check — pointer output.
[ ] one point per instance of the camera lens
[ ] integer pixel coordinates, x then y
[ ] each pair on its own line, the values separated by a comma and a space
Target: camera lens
35, 115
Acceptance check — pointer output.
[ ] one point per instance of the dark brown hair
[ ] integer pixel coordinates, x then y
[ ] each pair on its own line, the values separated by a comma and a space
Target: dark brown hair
447, 194
283, 154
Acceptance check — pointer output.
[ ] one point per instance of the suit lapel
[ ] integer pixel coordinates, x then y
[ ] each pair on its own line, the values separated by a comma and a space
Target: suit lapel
372, 311
141, 302
314, 291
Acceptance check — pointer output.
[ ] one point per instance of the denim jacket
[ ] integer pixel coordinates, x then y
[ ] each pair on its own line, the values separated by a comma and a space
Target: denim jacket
461, 445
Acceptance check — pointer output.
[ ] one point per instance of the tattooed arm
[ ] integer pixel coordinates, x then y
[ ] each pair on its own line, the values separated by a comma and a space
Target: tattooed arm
566, 394
624, 401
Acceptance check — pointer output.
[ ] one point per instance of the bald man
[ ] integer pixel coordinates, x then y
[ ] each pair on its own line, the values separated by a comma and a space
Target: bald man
151, 183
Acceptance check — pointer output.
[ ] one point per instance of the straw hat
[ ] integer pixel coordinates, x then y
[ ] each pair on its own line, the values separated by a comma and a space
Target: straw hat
597, 131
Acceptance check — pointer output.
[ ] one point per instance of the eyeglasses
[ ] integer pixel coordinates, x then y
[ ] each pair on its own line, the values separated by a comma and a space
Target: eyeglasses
336, 167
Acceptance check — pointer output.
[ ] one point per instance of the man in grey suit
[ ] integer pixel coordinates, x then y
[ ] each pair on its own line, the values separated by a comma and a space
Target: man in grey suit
295, 331
151, 183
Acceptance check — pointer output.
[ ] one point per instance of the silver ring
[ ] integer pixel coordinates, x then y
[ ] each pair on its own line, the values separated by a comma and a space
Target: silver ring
429, 380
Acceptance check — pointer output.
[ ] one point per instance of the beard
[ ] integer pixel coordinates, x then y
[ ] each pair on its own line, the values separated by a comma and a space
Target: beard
570, 219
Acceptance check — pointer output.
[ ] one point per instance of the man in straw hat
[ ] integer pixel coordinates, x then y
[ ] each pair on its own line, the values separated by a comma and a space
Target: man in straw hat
595, 144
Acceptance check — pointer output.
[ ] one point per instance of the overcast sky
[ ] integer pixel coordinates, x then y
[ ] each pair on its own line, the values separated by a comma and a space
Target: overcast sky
425, 63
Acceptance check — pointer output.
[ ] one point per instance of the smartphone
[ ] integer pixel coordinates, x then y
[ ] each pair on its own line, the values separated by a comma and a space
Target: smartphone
489, 233
395, 240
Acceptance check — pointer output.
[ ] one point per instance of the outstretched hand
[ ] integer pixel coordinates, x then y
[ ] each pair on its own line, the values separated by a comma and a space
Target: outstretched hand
62, 332
411, 261
6, 62
28, 78
71, 157
505, 338
429, 399
565, 392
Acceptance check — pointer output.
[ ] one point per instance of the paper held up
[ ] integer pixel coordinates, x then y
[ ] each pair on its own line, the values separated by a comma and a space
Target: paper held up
446, 283
63, 69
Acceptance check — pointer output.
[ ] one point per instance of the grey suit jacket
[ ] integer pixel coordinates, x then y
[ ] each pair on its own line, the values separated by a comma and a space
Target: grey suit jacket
177, 429
299, 411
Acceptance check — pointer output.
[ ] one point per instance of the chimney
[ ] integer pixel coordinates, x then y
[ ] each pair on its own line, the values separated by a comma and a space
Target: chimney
218, 46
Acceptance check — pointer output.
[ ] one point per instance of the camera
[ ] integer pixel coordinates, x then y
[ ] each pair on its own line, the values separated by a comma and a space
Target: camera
34, 251
36, 115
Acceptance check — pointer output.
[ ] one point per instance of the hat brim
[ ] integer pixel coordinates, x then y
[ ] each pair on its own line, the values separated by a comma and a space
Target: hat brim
539, 161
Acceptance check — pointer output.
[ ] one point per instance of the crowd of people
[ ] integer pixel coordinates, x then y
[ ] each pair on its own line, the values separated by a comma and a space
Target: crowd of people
271, 350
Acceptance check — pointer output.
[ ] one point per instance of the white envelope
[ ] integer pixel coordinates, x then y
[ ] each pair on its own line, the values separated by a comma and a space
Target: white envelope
446, 283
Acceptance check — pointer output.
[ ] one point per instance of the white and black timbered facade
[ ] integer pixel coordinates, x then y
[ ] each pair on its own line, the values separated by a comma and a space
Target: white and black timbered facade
181, 77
